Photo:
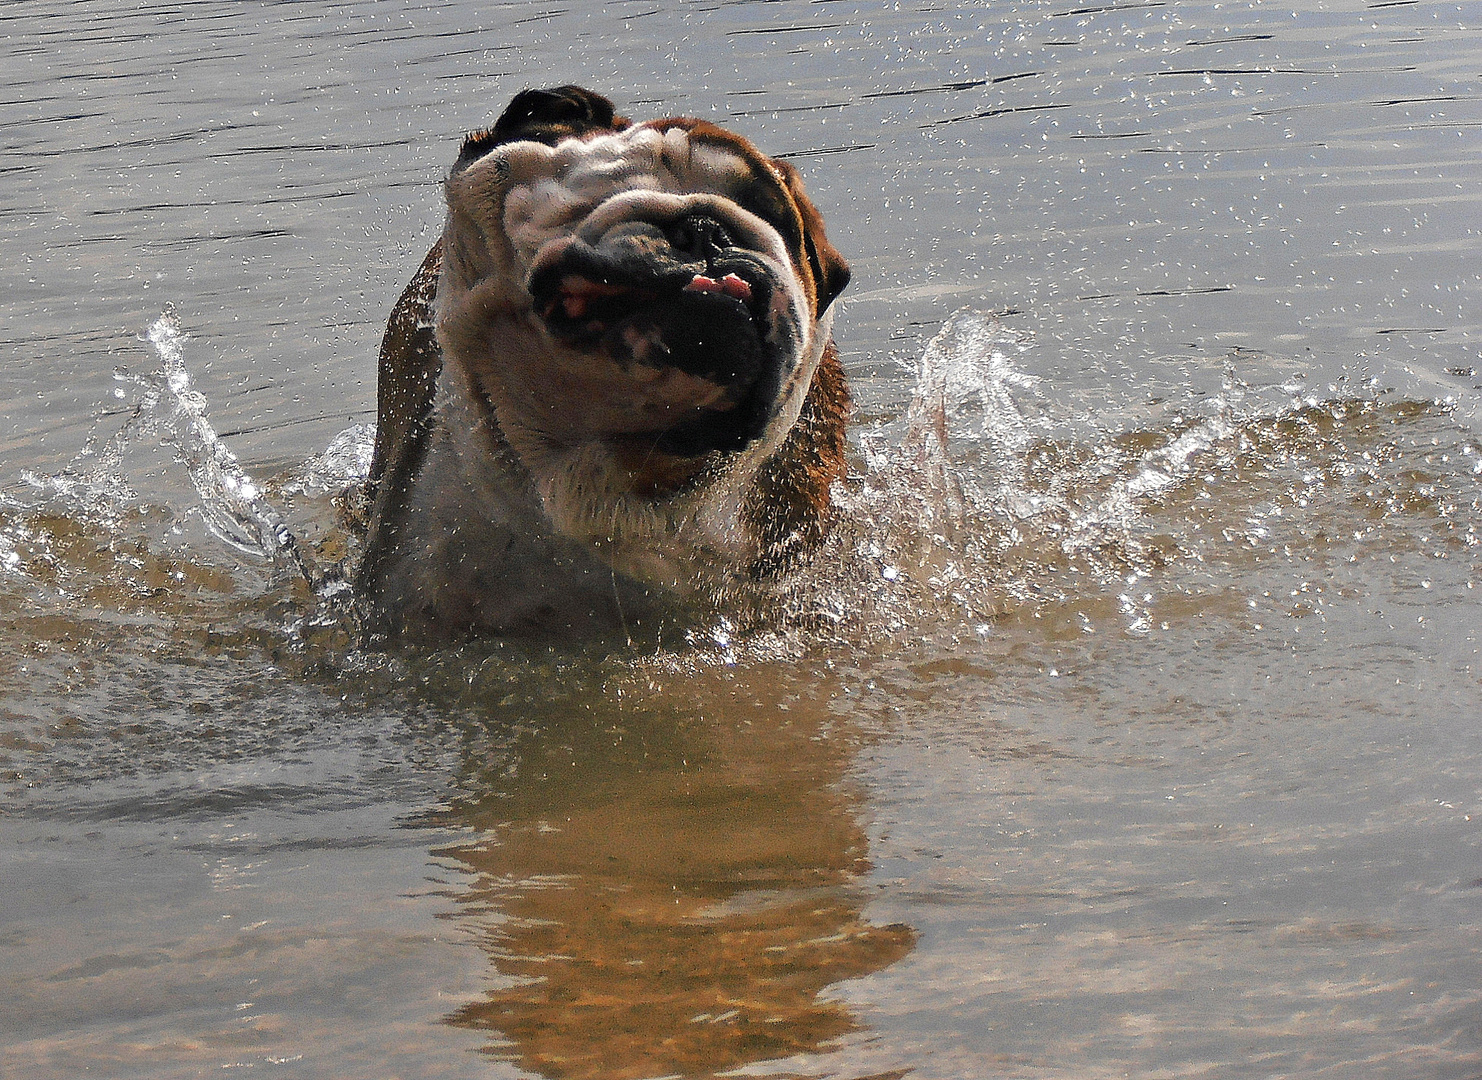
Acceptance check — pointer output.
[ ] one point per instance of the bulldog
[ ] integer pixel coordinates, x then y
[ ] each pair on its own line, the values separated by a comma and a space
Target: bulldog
610, 382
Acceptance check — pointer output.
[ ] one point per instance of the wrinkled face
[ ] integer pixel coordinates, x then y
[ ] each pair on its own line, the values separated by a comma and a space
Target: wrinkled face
652, 297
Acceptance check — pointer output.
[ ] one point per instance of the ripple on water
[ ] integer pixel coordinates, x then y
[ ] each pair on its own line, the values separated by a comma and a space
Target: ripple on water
1011, 570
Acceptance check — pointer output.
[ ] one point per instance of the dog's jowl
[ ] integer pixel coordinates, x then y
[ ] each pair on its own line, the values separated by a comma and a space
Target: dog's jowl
611, 378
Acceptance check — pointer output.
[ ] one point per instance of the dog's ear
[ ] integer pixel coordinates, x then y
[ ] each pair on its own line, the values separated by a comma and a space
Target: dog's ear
545, 116
551, 115
830, 272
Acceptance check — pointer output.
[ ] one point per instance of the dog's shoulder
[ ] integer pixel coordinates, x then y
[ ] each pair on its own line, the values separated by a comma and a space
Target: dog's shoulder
789, 503
407, 369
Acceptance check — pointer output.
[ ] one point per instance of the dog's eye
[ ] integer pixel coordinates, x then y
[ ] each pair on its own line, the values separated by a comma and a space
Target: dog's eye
767, 202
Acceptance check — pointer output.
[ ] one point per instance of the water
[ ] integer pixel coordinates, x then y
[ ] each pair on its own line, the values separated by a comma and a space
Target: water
1129, 725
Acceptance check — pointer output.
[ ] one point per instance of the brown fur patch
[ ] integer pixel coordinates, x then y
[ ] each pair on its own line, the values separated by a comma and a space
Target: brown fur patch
788, 507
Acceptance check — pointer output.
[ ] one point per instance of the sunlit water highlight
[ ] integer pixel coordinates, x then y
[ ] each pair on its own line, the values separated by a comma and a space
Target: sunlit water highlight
1127, 725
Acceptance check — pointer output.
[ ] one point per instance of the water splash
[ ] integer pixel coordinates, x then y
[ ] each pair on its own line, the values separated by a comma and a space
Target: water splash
1002, 494
995, 492
345, 462
166, 409
969, 363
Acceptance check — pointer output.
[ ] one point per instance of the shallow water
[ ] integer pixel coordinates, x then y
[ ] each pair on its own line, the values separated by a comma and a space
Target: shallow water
1129, 726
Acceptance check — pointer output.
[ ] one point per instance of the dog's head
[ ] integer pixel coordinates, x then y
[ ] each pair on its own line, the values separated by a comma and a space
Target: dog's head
640, 305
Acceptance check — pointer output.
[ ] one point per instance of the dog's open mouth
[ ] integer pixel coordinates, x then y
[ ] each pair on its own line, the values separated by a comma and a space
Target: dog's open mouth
579, 299
678, 298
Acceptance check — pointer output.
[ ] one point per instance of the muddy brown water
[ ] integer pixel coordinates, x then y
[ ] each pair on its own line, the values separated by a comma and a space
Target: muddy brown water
1133, 729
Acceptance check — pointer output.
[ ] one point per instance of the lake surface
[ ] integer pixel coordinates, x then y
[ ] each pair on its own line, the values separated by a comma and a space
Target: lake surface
1131, 724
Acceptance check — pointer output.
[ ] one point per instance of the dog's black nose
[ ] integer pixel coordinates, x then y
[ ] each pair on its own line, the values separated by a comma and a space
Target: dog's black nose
699, 236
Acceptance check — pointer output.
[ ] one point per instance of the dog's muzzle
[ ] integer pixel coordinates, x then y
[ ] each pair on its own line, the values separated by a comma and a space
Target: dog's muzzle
681, 294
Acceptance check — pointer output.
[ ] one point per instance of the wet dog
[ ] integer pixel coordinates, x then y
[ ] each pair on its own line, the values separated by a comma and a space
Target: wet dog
610, 381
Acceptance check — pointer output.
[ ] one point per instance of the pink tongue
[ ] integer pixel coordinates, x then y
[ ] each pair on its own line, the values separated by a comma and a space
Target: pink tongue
730, 285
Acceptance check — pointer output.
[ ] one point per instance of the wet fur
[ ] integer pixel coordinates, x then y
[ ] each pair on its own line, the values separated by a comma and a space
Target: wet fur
493, 510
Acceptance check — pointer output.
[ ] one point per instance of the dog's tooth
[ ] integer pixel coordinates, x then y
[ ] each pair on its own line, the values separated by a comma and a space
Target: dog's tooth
735, 286
730, 285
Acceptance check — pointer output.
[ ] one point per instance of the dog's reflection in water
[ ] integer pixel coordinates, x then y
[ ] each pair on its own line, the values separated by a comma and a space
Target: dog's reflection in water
668, 896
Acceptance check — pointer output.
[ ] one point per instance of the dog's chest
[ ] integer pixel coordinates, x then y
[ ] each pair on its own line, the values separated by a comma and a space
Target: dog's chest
485, 543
